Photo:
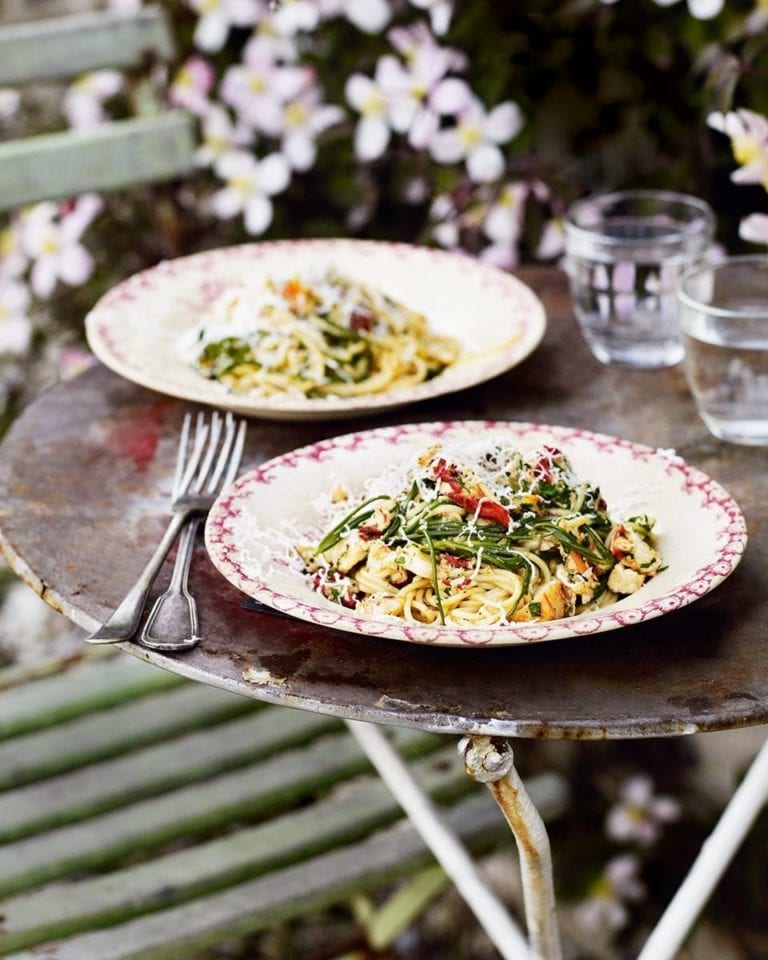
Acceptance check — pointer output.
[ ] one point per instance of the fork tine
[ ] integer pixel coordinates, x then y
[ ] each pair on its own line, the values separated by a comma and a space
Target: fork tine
210, 453
237, 455
181, 454
201, 435
226, 447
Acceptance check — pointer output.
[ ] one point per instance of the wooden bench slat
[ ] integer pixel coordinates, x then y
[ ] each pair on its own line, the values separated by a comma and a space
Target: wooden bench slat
57, 48
342, 817
79, 690
154, 769
107, 157
176, 934
107, 733
191, 810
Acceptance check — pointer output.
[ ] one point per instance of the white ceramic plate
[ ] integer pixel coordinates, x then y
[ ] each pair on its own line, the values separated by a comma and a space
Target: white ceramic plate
701, 531
135, 329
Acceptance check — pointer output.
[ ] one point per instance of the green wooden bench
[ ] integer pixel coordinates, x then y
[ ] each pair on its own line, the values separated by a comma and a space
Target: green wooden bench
146, 816
157, 144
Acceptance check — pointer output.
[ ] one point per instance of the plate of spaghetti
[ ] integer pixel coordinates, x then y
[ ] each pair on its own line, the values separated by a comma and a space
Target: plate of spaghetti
476, 533
315, 328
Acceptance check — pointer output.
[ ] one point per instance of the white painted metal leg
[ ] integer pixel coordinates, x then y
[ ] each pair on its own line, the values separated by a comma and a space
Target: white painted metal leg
449, 852
490, 760
715, 855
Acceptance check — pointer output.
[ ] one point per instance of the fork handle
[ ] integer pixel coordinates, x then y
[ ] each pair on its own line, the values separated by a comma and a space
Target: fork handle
172, 622
124, 621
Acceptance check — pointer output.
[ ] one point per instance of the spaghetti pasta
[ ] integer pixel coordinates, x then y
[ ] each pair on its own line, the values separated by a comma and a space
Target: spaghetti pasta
316, 338
478, 540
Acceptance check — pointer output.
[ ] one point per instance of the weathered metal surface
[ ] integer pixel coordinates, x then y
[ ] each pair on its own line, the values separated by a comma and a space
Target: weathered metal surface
84, 478
490, 760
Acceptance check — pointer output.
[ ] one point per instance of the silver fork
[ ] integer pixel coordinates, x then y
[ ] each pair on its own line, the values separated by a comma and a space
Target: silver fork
172, 622
201, 473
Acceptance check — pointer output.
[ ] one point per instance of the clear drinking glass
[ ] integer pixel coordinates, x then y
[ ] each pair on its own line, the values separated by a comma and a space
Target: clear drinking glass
624, 253
723, 312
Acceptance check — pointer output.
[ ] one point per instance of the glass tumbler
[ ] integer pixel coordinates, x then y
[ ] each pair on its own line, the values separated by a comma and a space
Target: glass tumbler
723, 312
623, 254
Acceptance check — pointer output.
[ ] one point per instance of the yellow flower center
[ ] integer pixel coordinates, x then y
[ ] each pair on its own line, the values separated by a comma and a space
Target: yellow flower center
257, 83
50, 244
745, 149
295, 114
7, 242
470, 134
374, 105
241, 184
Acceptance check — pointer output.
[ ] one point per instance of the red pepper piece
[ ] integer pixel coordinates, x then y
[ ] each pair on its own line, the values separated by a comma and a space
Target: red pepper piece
489, 509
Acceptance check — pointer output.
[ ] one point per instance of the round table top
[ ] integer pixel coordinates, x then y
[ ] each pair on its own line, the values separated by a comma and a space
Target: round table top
83, 500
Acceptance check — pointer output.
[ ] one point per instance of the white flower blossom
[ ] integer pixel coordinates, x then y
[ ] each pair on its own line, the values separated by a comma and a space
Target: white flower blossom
754, 228
552, 240
640, 813
50, 237
218, 16
418, 93
604, 910
250, 184
15, 325
701, 9
124, 6
503, 224
192, 84
440, 13
370, 16
304, 120
476, 138
369, 98
220, 136
447, 222
83, 102
10, 100
295, 16
258, 87
748, 132
13, 260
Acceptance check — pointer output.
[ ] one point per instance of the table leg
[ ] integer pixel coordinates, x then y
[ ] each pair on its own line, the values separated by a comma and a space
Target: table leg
715, 855
490, 760
444, 844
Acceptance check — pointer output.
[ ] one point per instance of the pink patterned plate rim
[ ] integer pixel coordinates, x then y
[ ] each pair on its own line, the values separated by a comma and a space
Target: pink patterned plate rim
701, 530
137, 328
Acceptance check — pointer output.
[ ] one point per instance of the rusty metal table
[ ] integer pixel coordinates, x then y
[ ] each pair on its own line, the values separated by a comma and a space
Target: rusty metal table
83, 493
